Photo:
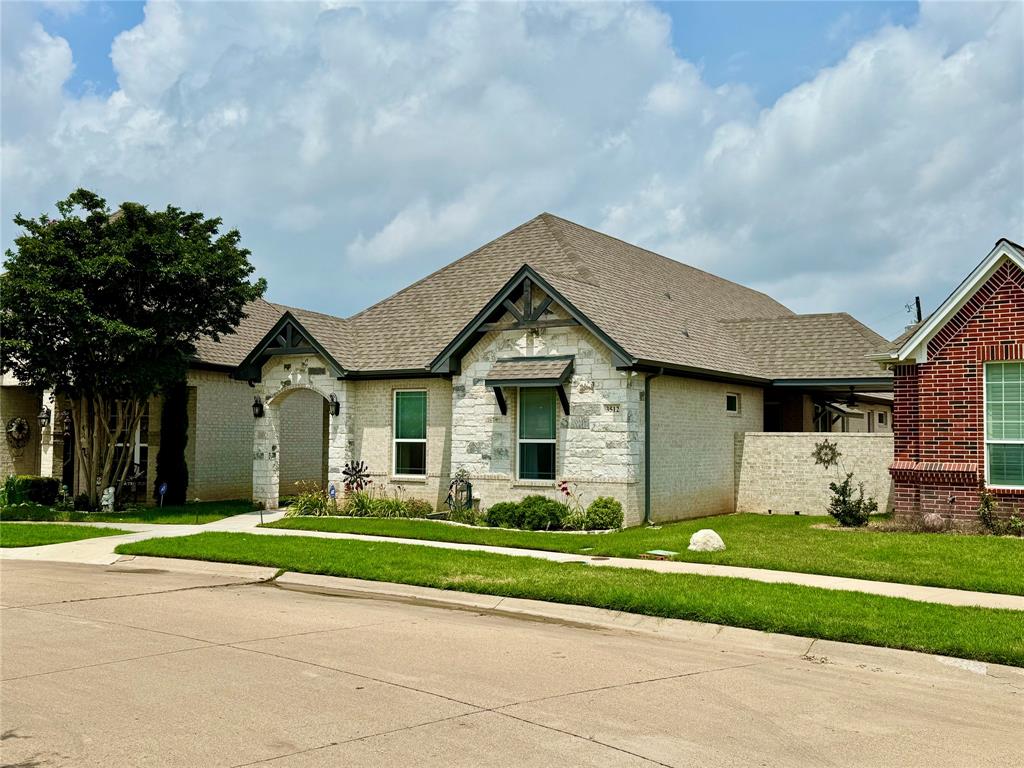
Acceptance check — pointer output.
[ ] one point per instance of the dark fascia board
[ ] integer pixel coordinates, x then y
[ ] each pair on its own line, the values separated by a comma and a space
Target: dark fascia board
251, 362
442, 363
202, 365
653, 366
863, 383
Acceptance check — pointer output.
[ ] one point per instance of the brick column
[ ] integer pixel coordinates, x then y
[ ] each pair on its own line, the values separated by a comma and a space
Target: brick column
340, 435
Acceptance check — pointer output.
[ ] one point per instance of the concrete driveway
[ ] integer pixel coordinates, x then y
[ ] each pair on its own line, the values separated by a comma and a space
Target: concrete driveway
104, 666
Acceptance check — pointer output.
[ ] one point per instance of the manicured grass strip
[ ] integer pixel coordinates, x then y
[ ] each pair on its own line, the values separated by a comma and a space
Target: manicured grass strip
37, 534
186, 514
777, 542
973, 633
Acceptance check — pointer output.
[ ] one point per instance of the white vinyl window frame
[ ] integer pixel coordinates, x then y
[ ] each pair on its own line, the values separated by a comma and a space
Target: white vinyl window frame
984, 425
396, 440
739, 404
533, 441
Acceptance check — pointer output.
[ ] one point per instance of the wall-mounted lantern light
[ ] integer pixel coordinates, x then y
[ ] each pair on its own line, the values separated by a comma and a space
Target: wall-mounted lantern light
44, 418
333, 405
257, 408
66, 422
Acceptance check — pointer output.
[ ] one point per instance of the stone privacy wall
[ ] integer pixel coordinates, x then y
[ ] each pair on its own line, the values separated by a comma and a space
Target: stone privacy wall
692, 445
17, 401
220, 436
373, 432
939, 404
302, 440
775, 472
599, 444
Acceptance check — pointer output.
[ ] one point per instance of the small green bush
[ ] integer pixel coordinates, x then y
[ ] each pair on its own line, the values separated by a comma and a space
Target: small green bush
604, 512
20, 488
358, 504
467, 516
312, 501
848, 510
420, 508
82, 503
504, 514
542, 514
28, 510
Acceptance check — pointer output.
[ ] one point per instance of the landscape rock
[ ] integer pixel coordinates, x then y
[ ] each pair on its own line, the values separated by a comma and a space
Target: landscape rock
706, 540
933, 521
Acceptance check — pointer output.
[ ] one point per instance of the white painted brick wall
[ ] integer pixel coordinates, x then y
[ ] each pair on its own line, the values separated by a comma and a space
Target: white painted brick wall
693, 444
776, 471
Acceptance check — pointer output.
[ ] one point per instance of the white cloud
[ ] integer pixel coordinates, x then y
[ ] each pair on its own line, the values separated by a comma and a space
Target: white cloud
376, 142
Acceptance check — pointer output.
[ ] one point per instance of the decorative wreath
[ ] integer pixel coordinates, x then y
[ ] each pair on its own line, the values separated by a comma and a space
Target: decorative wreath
18, 431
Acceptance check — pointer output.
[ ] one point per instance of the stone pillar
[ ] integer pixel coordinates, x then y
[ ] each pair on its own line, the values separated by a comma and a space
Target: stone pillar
266, 458
51, 439
340, 435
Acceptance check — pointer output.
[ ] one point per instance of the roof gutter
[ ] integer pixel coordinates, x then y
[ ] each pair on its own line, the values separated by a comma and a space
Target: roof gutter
647, 443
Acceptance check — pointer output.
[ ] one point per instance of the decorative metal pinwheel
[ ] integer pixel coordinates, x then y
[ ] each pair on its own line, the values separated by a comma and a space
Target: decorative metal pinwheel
357, 476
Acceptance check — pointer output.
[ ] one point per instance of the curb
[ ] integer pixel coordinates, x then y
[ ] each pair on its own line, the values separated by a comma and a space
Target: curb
796, 648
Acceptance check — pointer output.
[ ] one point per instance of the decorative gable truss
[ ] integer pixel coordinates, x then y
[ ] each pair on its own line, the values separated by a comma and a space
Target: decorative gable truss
530, 301
287, 337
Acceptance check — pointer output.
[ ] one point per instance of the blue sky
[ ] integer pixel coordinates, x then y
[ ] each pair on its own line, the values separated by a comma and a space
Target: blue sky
838, 156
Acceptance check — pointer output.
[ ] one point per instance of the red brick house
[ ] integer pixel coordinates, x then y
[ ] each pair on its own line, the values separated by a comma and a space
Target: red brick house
958, 416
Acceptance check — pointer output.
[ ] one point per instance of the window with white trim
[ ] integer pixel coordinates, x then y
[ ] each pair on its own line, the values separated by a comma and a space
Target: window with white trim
732, 403
536, 414
410, 432
1004, 423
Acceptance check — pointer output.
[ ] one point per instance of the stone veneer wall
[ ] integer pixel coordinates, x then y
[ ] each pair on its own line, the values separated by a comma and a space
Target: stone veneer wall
220, 437
24, 402
599, 444
775, 471
693, 444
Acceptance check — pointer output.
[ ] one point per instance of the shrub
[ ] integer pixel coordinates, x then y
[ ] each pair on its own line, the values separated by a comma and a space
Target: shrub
21, 488
988, 513
359, 504
604, 512
845, 508
28, 510
311, 501
420, 508
542, 514
82, 503
467, 515
504, 514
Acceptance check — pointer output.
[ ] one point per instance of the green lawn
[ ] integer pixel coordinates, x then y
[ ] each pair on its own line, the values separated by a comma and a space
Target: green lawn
782, 543
186, 514
37, 534
975, 633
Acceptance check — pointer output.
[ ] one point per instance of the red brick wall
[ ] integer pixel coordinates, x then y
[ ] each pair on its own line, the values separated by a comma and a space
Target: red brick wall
937, 418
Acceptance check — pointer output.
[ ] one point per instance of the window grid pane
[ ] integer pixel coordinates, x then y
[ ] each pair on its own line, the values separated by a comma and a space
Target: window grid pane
536, 413
1004, 420
1006, 463
410, 458
537, 461
410, 415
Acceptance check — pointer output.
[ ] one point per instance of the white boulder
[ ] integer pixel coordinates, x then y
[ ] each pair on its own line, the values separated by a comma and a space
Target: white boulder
706, 540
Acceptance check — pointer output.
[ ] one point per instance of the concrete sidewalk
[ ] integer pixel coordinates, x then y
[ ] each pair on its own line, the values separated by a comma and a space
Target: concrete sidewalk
101, 552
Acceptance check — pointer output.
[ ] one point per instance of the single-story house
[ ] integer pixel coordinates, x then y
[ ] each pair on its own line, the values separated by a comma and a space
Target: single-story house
959, 395
553, 352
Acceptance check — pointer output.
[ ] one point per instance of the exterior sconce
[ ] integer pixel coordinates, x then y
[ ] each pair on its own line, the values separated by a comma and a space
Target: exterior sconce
44, 418
67, 422
333, 405
257, 408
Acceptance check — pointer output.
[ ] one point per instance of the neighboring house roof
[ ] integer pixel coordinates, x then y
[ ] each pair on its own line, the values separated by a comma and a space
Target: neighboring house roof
913, 345
824, 346
660, 311
899, 341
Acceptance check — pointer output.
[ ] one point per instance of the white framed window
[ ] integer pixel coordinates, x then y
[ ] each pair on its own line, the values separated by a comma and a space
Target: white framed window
732, 403
1004, 424
536, 415
410, 432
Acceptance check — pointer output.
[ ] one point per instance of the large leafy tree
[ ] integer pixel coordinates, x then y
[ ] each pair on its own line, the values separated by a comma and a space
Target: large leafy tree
105, 308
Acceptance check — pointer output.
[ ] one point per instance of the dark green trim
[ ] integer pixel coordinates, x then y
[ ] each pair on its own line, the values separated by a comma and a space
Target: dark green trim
250, 369
653, 366
445, 361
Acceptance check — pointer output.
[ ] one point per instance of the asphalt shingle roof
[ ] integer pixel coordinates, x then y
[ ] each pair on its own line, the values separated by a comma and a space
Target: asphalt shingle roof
823, 346
529, 369
657, 309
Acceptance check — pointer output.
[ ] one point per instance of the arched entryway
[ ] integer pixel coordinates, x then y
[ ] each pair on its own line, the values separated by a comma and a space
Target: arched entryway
302, 420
